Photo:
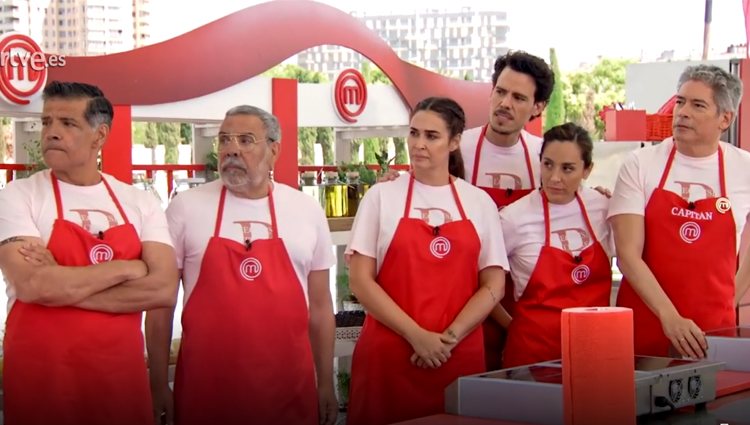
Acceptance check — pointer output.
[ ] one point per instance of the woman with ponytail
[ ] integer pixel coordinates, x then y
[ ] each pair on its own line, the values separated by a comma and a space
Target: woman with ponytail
427, 263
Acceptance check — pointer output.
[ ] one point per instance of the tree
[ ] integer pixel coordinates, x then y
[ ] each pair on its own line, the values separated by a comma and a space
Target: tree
554, 113
587, 91
151, 139
399, 144
186, 133
169, 136
139, 133
372, 146
6, 142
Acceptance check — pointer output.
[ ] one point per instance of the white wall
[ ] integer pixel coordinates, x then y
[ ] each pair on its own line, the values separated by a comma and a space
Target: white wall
649, 85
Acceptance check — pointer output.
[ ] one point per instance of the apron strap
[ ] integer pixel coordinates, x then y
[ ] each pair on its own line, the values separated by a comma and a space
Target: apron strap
722, 180
272, 208
545, 203
670, 160
410, 190
585, 216
665, 173
220, 211
58, 197
115, 200
528, 160
545, 207
477, 155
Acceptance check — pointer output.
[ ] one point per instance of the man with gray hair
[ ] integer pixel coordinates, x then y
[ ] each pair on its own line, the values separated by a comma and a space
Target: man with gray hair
83, 256
678, 211
258, 324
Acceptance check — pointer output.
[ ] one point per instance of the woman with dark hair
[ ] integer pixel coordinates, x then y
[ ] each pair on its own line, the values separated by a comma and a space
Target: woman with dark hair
559, 247
427, 261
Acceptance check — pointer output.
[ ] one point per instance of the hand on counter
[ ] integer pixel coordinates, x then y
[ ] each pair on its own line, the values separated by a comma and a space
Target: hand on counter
686, 337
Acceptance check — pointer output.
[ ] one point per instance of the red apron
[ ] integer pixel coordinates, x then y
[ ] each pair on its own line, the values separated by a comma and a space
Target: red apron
245, 355
69, 366
430, 272
494, 334
693, 260
559, 281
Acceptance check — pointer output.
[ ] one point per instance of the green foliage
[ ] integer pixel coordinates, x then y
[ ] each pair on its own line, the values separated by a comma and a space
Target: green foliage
382, 158
343, 293
402, 157
587, 91
373, 75
212, 163
151, 135
366, 175
300, 74
186, 133
139, 133
306, 142
324, 137
169, 136
372, 147
36, 158
555, 112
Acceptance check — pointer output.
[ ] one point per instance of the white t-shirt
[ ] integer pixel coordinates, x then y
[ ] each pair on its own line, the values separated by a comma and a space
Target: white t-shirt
300, 220
493, 160
29, 209
698, 178
383, 207
524, 232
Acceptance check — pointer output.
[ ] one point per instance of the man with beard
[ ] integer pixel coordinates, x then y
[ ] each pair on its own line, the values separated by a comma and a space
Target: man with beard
258, 324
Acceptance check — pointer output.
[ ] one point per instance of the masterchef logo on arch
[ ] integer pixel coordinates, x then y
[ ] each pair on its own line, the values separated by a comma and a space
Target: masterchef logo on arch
23, 68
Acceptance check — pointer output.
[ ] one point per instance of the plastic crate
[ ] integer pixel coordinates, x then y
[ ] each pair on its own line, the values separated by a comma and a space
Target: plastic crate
658, 127
349, 333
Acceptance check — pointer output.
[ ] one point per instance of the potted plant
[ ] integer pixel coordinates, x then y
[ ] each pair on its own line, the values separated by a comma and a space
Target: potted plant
383, 161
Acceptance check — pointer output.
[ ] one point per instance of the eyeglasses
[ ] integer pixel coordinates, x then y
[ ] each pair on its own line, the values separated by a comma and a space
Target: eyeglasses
245, 141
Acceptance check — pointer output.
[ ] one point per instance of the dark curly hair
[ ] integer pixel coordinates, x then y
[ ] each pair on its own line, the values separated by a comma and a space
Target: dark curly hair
531, 65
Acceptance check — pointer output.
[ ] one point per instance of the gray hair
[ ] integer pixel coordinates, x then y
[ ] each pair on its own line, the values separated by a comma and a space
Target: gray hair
727, 88
270, 122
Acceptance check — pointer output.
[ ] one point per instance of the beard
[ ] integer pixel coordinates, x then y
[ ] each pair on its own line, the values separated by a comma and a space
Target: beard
235, 174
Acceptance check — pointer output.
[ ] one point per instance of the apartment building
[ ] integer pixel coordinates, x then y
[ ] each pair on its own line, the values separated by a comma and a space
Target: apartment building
79, 27
462, 44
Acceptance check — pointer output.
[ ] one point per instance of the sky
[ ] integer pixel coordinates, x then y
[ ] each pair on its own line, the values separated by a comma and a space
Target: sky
579, 30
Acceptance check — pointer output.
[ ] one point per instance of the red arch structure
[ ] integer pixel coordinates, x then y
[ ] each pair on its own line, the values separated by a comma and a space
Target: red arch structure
249, 42
241, 46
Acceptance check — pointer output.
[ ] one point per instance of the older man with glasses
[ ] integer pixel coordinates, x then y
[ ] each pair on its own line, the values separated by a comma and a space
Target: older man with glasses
258, 324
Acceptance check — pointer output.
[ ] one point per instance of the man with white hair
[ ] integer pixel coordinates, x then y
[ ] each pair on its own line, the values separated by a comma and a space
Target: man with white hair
258, 324
677, 212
